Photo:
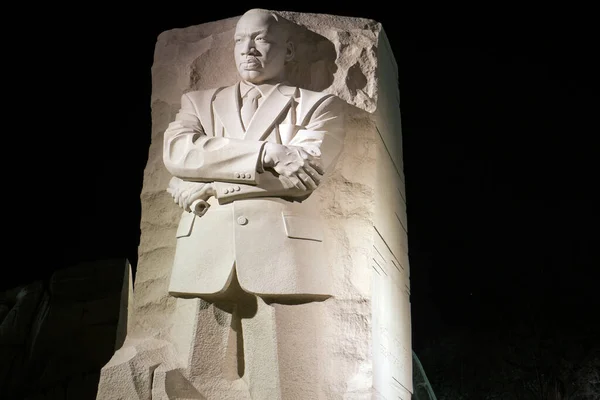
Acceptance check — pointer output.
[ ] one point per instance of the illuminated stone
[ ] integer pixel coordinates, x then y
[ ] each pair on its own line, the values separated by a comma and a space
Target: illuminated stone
285, 275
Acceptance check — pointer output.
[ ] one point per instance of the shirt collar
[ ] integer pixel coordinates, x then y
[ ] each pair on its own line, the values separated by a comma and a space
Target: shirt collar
264, 88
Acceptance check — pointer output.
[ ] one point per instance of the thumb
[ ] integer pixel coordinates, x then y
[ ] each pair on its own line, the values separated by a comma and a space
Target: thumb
200, 194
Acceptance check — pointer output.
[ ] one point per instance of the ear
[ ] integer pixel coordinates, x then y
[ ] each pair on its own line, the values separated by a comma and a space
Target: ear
290, 52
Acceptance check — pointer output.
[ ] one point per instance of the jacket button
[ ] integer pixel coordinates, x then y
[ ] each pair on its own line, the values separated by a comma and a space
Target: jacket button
242, 220
237, 188
237, 174
226, 191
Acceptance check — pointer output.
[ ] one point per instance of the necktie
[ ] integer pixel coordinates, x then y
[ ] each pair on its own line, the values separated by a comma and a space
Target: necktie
249, 106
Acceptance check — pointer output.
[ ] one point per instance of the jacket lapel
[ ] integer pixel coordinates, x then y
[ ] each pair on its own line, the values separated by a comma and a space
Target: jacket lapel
227, 108
267, 114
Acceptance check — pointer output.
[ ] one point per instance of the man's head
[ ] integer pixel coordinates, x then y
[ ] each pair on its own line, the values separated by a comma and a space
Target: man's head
262, 46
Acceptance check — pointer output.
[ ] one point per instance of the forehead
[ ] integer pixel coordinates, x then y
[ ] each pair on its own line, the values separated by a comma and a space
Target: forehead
256, 21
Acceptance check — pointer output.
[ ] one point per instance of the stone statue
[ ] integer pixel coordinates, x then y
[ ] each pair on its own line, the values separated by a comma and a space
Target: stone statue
245, 160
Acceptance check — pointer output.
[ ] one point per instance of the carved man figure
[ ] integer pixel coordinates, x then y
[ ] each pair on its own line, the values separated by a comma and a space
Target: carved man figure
254, 152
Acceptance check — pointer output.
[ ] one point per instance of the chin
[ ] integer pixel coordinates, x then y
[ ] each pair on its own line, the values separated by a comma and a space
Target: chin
251, 76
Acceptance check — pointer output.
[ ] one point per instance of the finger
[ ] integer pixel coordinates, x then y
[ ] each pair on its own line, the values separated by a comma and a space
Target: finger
174, 183
316, 164
182, 197
175, 195
187, 202
200, 194
316, 175
313, 174
286, 182
194, 197
298, 182
308, 181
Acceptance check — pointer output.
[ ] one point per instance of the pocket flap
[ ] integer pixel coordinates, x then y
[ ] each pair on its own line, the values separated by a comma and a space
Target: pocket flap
301, 227
185, 224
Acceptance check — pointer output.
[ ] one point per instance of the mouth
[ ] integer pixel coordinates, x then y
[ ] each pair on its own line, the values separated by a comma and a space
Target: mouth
251, 63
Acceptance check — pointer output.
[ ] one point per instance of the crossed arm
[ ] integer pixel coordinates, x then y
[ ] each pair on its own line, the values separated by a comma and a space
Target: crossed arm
229, 169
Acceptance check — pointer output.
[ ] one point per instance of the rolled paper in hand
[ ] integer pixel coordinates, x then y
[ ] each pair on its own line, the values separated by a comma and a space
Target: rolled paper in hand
199, 207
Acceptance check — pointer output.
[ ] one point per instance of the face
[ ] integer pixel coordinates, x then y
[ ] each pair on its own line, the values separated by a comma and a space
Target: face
261, 48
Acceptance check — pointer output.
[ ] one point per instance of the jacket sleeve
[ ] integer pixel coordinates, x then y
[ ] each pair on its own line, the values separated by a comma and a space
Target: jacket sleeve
192, 154
324, 131
322, 134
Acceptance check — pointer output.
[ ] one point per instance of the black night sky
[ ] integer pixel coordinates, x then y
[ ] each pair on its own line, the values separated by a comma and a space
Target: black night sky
500, 126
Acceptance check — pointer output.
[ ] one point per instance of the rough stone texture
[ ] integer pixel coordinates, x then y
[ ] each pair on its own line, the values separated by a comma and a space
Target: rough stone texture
55, 337
174, 349
141, 359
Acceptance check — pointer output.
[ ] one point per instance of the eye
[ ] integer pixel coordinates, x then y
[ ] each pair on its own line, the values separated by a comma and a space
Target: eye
260, 39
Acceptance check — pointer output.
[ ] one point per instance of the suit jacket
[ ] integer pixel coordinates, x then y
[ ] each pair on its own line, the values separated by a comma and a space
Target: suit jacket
270, 233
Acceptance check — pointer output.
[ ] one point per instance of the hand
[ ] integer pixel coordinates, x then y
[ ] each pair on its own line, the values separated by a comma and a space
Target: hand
294, 164
185, 192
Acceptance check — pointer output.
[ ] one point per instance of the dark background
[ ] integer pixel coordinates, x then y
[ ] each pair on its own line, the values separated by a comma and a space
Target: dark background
499, 112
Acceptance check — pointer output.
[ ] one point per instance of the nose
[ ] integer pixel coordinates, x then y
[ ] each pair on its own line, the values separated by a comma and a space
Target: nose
248, 47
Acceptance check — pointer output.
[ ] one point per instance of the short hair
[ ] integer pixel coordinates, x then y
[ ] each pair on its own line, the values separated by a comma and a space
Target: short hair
276, 16
284, 23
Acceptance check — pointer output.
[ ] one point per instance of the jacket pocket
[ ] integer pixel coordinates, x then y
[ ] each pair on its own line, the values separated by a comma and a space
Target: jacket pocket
301, 227
185, 225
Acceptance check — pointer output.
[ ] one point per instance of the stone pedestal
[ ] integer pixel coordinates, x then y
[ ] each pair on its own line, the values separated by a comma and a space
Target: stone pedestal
355, 344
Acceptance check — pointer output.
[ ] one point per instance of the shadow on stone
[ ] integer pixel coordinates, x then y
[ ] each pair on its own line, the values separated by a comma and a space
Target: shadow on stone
240, 304
178, 387
291, 300
314, 65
